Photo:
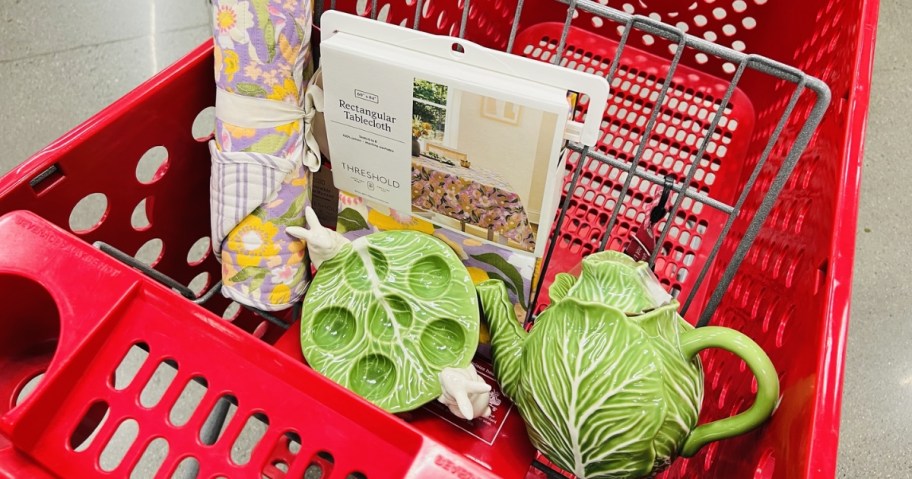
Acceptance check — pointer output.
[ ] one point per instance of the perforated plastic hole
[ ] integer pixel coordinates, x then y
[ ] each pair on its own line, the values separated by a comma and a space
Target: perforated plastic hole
87, 428
729, 29
89, 213
120, 443
383, 15
133, 360
710, 35
200, 283
684, 237
710, 456
152, 165
701, 57
139, 220
222, 412
749, 23
766, 465
723, 395
232, 311
682, 275
151, 252
188, 401
260, 330
441, 19
294, 442
325, 456
204, 124
688, 259
151, 460
783, 323
314, 471
159, 383
199, 251
683, 466
26, 390
187, 469
250, 436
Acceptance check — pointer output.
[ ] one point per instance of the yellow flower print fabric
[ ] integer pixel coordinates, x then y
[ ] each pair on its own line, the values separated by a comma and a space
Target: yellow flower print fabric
260, 184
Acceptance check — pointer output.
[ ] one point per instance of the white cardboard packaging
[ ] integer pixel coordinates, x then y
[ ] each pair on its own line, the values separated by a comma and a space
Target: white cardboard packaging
371, 71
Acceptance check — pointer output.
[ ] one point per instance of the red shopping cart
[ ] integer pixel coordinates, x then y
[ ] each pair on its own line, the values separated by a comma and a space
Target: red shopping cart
755, 110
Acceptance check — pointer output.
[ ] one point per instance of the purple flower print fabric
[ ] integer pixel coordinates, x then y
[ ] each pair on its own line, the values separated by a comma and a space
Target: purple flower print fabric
260, 183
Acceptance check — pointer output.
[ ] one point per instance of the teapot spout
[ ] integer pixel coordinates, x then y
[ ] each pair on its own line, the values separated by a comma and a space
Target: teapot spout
507, 335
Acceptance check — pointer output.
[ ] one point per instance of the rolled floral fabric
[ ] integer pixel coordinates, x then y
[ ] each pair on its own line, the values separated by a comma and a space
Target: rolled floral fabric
261, 166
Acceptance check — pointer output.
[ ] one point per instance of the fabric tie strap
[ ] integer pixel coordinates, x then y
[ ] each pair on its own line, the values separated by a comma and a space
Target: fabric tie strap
253, 112
313, 104
242, 181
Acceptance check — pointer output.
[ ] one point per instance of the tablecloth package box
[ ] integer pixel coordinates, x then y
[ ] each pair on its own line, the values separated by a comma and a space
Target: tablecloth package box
469, 155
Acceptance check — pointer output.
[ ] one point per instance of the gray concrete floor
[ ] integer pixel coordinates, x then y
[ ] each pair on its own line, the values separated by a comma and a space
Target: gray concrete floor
60, 62
876, 419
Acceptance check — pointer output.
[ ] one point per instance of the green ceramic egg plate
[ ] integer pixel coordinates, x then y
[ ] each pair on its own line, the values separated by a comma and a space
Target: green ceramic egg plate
387, 314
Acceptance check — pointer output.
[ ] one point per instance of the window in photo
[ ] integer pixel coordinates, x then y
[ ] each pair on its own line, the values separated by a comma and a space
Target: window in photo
433, 107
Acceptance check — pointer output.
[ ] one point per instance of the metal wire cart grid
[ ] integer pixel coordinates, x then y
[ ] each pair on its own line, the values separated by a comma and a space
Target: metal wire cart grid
658, 108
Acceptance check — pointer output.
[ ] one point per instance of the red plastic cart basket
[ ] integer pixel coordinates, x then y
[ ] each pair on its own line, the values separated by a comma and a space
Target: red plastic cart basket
73, 312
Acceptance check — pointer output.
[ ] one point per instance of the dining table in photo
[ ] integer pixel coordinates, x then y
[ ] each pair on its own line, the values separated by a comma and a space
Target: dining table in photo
473, 196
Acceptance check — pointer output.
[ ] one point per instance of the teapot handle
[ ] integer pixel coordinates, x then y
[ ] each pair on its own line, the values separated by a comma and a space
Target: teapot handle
694, 341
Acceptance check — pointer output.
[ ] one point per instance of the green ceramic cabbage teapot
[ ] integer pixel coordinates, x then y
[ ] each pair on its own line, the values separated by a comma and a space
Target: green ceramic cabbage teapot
608, 381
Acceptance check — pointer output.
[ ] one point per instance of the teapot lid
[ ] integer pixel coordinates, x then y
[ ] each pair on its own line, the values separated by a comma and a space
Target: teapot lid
622, 282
